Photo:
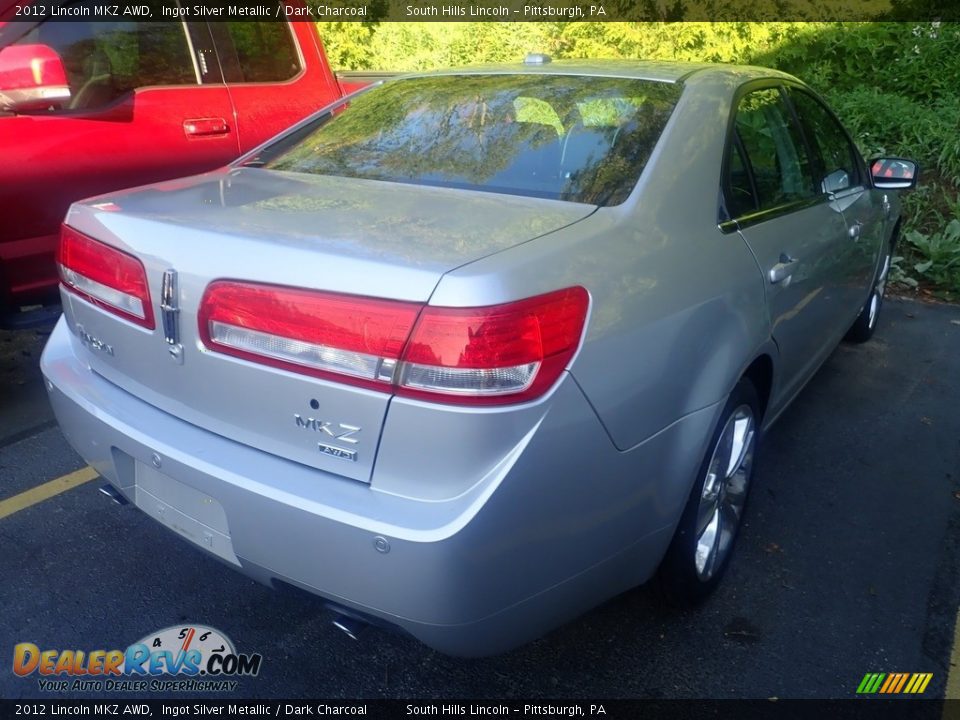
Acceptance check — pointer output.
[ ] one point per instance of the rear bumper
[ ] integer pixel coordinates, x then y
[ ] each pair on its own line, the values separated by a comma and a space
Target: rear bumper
558, 526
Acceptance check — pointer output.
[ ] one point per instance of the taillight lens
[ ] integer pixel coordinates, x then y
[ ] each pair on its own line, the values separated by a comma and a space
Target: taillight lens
492, 355
318, 333
104, 275
503, 353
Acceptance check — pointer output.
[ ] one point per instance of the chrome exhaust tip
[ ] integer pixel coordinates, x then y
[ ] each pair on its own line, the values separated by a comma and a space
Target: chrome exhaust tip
351, 627
111, 492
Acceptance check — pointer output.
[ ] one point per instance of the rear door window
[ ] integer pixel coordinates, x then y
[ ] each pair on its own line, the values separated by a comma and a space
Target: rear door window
776, 153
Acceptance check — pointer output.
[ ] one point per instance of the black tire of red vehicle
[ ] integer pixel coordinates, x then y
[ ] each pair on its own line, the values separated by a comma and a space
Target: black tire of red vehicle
689, 573
866, 323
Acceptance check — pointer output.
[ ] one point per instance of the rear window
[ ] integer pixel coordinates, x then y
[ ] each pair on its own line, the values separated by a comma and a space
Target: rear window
575, 138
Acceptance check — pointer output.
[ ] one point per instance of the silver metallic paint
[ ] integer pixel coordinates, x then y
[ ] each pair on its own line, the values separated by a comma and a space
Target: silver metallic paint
501, 522
475, 574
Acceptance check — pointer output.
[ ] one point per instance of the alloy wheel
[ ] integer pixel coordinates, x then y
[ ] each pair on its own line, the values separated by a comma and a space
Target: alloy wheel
724, 492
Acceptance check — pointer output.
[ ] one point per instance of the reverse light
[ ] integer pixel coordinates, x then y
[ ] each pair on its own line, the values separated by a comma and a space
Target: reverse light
110, 278
492, 355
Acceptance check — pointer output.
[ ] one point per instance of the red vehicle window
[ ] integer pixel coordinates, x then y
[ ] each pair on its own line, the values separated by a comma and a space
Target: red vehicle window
256, 52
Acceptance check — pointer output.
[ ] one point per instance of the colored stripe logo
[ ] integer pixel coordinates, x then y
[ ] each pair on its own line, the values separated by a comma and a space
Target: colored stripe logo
894, 683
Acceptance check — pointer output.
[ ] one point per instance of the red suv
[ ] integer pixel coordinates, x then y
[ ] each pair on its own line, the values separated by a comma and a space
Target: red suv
92, 104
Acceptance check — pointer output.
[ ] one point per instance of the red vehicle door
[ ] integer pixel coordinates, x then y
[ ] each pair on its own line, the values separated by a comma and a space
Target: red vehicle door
146, 103
277, 74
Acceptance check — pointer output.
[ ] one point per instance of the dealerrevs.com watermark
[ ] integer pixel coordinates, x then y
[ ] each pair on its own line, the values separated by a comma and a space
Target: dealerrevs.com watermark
192, 658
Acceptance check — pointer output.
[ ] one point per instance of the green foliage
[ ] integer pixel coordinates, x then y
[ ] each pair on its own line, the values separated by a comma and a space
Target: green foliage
418, 46
348, 44
895, 85
938, 254
691, 41
898, 275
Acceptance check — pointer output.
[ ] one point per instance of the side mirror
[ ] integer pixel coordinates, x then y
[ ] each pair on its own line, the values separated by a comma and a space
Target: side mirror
894, 173
32, 77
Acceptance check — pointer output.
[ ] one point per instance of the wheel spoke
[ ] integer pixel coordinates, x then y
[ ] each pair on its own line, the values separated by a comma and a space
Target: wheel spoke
706, 546
714, 553
725, 448
710, 498
742, 437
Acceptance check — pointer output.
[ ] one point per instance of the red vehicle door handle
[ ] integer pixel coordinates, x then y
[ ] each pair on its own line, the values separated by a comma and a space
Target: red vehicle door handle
201, 127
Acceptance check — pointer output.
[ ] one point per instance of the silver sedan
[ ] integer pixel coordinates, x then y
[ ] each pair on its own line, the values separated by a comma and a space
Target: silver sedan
470, 352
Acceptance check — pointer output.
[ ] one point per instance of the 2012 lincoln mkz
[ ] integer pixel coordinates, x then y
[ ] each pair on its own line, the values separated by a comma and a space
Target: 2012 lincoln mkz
469, 352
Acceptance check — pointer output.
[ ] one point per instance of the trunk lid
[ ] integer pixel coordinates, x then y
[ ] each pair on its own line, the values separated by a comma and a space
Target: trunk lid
357, 237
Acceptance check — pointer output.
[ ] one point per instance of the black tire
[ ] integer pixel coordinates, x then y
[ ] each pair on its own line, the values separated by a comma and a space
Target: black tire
866, 323
685, 576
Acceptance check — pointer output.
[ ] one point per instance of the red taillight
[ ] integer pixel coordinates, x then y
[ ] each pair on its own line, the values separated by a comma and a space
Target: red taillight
107, 277
319, 333
500, 354
503, 353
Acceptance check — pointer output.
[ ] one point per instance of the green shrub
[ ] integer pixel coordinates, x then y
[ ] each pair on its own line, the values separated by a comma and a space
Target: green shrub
895, 85
937, 255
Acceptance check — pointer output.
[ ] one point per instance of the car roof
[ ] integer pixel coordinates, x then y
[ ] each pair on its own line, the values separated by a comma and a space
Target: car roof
669, 71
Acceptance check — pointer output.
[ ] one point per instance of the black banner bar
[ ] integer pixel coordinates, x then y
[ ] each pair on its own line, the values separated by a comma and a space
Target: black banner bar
556, 709
372, 11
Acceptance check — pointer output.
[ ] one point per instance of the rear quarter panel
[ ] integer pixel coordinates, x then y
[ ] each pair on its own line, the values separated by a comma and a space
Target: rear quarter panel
677, 307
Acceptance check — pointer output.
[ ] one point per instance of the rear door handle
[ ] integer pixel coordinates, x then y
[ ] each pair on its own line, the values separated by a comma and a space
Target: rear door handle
855, 229
783, 270
204, 127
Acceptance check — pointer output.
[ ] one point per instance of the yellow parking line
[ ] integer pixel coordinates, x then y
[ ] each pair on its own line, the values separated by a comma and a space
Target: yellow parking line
46, 491
953, 676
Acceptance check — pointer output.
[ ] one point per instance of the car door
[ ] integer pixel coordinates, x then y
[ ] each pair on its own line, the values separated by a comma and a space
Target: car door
793, 229
145, 105
842, 173
274, 79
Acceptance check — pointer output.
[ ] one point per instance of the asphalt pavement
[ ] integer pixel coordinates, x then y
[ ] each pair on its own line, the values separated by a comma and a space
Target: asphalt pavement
849, 561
